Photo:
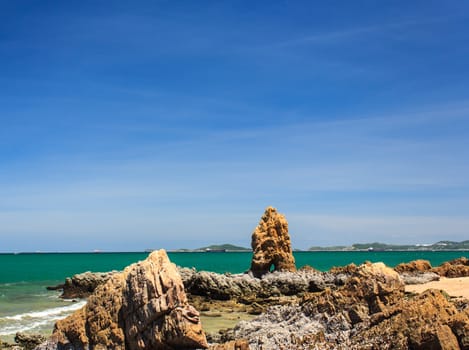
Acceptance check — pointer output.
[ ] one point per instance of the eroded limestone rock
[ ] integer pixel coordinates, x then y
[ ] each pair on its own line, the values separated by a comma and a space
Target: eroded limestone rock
416, 266
29, 341
271, 244
243, 286
82, 285
370, 311
144, 307
454, 268
417, 272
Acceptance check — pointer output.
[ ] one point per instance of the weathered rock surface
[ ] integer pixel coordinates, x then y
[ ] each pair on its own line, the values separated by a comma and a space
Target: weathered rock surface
240, 344
370, 311
271, 244
419, 278
82, 285
417, 272
144, 307
23, 341
29, 341
419, 268
454, 268
245, 286
416, 266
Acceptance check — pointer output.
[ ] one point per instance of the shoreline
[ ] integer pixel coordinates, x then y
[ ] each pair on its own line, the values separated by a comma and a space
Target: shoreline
221, 313
455, 287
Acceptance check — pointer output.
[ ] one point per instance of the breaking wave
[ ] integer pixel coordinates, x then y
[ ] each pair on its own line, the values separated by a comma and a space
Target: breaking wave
37, 319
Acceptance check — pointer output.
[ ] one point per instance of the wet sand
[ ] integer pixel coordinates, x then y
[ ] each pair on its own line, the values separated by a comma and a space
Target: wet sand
455, 287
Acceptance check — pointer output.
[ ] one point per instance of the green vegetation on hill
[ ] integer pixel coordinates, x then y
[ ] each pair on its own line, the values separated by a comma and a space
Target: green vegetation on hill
227, 247
331, 248
441, 245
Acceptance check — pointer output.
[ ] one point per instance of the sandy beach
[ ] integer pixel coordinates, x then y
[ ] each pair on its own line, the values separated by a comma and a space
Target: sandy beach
456, 287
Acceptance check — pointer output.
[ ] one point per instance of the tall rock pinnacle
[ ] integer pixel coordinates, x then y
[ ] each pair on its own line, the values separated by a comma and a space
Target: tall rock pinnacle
271, 244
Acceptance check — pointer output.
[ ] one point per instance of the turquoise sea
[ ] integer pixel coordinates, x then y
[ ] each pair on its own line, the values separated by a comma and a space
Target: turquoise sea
26, 305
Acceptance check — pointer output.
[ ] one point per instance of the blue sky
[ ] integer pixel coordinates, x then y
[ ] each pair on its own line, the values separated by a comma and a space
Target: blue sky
134, 125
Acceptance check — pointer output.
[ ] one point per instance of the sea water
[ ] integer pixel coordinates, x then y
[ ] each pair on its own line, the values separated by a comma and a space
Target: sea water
26, 305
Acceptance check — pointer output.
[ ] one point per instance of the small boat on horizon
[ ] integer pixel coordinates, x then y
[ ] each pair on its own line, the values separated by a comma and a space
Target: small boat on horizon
210, 250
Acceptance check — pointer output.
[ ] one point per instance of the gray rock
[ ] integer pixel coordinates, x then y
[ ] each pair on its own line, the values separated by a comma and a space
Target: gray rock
48, 345
281, 327
82, 285
227, 286
419, 278
29, 341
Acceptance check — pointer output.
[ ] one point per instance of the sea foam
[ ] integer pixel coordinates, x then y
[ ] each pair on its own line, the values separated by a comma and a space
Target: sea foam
35, 320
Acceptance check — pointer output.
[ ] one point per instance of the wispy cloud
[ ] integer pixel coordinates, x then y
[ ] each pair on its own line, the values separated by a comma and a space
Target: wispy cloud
318, 229
357, 32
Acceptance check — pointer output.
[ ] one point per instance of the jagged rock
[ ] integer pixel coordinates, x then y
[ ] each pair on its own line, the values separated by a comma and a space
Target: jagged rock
419, 278
414, 266
29, 341
417, 272
82, 285
454, 268
428, 321
271, 244
245, 286
144, 307
49, 344
239, 344
369, 311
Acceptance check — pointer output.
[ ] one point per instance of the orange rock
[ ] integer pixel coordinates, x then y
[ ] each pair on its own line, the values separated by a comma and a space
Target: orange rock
454, 268
240, 344
144, 307
271, 244
414, 266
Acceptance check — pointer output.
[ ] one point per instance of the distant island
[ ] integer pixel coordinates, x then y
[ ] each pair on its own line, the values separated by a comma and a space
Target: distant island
376, 246
217, 248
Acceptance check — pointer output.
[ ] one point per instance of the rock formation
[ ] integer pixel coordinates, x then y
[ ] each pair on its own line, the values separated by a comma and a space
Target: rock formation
144, 307
29, 341
369, 312
271, 244
244, 286
82, 285
414, 266
454, 268
240, 344
417, 272
420, 271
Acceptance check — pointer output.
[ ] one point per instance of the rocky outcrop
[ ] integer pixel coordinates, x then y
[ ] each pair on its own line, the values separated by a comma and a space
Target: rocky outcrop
422, 269
271, 245
427, 321
370, 311
144, 307
240, 344
419, 278
82, 285
416, 266
417, 272
246, 287
24, 341
29, 341
454, 268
